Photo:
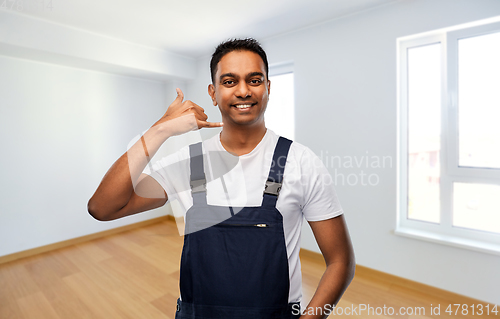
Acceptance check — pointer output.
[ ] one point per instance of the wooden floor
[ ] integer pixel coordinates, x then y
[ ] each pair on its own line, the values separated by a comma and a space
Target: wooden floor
134, 275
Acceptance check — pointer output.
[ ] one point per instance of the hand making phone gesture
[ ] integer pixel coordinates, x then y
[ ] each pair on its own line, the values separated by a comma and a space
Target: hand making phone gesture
184, 116
124, 190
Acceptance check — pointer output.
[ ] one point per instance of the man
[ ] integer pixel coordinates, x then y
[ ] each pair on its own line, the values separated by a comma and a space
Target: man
242, 262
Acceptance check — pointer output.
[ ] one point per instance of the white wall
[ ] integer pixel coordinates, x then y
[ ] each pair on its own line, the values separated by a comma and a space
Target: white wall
62, 128
345, 73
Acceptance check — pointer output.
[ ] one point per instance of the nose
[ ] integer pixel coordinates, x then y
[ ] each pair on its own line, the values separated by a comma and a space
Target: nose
243, 90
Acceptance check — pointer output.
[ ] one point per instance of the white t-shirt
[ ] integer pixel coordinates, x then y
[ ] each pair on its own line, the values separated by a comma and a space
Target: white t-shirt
307, 189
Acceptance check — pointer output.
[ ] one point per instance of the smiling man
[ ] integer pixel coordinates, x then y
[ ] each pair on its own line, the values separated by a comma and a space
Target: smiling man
243, 262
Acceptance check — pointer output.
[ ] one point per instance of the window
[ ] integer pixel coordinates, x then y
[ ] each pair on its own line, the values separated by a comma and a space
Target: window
449, 137
280, 112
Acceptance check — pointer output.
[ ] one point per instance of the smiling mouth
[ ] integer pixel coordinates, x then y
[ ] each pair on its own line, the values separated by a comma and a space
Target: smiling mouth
243, 106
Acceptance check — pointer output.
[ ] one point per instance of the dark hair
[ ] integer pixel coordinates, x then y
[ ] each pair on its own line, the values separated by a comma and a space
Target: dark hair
231, 45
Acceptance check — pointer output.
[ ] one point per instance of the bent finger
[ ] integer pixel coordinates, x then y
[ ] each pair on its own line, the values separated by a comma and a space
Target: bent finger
196, 110
200, 113
189, 105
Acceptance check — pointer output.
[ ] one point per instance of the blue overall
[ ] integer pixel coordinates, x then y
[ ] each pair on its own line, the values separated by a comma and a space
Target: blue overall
237, 268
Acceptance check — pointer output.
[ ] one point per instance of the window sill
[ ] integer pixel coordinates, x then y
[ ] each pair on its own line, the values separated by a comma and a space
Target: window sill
476, 245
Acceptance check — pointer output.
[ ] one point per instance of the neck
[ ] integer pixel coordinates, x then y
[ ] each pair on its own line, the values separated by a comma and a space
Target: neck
241, 140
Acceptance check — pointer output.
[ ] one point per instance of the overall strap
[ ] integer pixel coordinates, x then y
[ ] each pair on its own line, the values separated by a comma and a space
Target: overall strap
275, 178
197, 179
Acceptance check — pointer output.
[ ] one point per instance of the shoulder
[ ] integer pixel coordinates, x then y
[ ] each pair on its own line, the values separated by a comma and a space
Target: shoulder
302, 161
300, 150
209, 144
212, 144
182, 154
302, 155
296, 149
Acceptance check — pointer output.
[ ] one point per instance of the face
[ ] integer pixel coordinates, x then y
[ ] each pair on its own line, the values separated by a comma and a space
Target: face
241, 89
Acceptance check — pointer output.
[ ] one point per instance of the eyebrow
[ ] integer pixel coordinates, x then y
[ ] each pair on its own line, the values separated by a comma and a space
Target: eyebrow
232, 75
256, 74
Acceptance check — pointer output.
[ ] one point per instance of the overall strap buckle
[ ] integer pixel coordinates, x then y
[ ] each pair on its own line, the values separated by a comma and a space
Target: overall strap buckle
198, 186
274, 180
272, 188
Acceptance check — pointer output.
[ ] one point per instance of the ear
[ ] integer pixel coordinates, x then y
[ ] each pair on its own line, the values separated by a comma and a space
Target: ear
211, 92
268, 87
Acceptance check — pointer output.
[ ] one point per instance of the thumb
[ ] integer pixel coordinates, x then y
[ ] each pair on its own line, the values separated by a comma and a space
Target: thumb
180, 95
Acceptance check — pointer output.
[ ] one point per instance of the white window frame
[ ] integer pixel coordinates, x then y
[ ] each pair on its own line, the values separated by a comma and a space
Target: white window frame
451, 172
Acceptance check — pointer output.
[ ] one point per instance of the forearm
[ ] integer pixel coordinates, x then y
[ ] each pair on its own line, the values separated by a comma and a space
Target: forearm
117, 186
331, 287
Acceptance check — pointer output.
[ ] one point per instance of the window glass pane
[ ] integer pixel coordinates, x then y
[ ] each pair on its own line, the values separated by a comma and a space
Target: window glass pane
424, 130
476, 206
280, 112
479, 101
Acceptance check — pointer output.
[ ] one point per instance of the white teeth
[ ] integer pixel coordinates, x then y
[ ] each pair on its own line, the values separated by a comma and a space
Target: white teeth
244, 106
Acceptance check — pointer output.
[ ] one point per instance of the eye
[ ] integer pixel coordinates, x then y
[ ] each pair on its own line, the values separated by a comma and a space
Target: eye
255, 81
228, 82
